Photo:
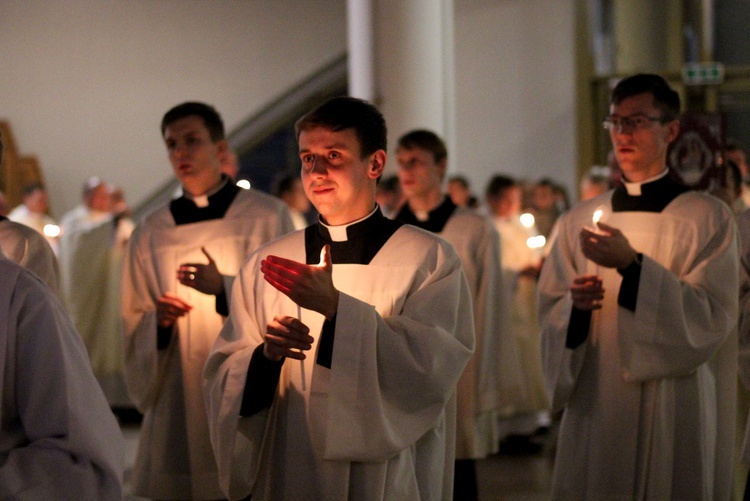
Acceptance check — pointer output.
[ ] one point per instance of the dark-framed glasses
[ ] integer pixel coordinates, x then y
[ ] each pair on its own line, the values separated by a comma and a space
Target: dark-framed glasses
633, 122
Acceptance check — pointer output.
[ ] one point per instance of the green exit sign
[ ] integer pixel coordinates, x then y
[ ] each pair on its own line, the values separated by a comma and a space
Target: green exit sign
703, 73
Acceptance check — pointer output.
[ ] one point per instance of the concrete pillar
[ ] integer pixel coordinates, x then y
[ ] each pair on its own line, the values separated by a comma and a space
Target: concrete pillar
640, 28
414, 68
361, 49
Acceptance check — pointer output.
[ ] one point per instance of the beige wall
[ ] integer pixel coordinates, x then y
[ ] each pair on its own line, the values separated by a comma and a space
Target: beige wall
515, 90
84, 83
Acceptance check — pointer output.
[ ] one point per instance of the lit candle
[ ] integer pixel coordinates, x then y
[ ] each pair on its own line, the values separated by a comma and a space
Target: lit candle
600, 215
299, 317
51, 230
527, 220
301, 362
536, 242
597, 216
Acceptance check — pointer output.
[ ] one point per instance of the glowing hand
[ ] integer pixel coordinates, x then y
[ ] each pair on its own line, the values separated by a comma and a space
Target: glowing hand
608, 247
204, 278
310, 286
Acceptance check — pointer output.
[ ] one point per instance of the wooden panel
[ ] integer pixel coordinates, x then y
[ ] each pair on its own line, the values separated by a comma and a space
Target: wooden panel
16, 171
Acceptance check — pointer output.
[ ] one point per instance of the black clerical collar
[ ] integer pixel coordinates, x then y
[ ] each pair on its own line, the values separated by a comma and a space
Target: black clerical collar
364, 239
654, 195
185, 210
436, 220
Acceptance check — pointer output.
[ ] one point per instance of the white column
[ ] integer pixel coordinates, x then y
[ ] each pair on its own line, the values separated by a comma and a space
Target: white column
361, 53
640, 35
414, 68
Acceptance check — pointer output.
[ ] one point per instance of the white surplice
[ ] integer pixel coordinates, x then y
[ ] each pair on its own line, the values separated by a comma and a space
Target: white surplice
174, 458
649, 397
492, 382
380, 423
743, 225
58, 437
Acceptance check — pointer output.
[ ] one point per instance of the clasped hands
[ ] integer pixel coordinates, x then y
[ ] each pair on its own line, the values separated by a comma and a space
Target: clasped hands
607, 247
310, 287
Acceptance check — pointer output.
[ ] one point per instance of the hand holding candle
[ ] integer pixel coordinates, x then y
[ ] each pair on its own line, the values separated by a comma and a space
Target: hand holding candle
606, 245
310, 287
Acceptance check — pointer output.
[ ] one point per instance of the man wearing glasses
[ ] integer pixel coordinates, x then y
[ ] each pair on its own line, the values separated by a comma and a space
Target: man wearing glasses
638, 307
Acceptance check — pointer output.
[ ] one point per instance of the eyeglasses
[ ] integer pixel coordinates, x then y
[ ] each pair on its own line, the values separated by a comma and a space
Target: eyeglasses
614, 122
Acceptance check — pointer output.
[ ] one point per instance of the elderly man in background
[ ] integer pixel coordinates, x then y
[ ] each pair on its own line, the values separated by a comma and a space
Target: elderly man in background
91, 250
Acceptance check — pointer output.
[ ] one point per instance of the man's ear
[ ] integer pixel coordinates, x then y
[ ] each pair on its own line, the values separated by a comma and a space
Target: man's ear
673, 130
377, 164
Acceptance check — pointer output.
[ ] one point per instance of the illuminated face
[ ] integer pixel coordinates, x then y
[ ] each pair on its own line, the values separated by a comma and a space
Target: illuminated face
641, 152
418, 173
195, 158
338, 182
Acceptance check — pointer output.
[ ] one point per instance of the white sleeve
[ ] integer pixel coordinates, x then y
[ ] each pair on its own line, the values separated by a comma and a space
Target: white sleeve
138, 305
391, 377
681, 321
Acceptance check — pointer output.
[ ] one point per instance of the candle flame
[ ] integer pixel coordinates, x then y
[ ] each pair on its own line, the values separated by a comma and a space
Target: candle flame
536, 242
527, 220
597, 216
51, 230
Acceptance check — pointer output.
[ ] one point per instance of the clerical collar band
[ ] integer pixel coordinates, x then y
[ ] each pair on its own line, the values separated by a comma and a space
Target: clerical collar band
340, 233
653, 195
634, 189
203, 200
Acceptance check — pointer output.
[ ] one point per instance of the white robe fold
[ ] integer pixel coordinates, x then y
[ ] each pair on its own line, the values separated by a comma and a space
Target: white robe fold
58, 437
380, 423
27, 247
743, 225
175, 460
649, 397
492, 382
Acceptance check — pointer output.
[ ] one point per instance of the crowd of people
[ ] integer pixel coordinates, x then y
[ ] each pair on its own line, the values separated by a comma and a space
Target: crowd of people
361, 336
